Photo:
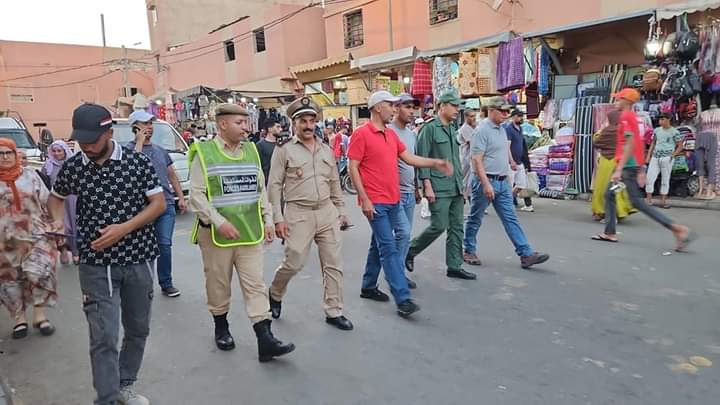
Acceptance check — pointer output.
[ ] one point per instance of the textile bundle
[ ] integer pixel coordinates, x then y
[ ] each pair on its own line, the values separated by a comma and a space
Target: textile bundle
422, 79
486, 70
511, 65
468, 76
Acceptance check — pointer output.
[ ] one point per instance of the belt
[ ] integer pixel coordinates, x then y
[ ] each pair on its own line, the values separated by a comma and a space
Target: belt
496, 177
310, 207
203, 224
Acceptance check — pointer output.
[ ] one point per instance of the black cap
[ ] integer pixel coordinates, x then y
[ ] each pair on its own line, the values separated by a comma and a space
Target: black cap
89, 122
517, 113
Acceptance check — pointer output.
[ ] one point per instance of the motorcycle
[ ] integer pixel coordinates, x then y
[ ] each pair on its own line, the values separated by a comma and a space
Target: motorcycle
345, 181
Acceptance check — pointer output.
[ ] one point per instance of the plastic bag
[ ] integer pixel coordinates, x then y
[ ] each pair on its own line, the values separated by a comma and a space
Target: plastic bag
533, 186
424, 208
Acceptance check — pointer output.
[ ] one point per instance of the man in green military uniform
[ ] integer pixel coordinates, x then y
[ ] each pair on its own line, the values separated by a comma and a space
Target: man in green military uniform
437, 140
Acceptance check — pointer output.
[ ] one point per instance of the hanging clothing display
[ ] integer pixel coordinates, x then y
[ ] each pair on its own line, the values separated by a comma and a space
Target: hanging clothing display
468, 76
510, 65
710, 120
706, 149
422, 83
532, 101
486, 71
530, 61
583, 114
442, 76
550, 113
583, 168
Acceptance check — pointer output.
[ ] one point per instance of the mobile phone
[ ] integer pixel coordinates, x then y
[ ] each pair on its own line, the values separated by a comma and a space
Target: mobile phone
135, 129
56, 235
345, 227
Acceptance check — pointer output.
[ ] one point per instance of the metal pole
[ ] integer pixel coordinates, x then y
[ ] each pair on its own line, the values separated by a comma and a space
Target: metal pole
390, 25
102, 27
125, 68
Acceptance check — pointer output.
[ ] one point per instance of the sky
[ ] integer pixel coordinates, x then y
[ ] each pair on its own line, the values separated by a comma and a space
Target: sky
75, 22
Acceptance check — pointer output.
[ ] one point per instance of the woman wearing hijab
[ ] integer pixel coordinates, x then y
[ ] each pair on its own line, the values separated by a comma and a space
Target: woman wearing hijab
59, 152
27, 253
605, 141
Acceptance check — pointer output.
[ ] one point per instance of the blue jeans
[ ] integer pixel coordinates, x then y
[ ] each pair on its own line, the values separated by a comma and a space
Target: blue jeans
164, 227
389, 225
503, 204
402, 241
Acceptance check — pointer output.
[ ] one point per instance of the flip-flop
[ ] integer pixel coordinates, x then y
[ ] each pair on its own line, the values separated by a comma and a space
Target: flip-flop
45, 327
667, 206
691, 237
603, 238
20, 331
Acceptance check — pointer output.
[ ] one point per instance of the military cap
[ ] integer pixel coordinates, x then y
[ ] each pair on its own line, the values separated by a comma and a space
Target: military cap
497, 103
302, 106
230, 109
450, 97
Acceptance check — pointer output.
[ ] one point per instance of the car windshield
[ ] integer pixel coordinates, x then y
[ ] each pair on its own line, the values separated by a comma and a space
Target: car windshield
163, 136
22, 139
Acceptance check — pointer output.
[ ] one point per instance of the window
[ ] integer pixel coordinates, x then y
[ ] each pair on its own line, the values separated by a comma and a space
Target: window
153, 15
353, 29
259, 40
229, 51
443, 10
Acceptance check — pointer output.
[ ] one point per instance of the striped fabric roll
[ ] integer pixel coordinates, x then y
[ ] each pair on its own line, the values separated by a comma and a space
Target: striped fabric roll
583, 163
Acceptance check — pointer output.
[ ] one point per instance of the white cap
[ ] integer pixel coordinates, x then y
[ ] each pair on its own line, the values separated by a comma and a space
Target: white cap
419, 121
380, 96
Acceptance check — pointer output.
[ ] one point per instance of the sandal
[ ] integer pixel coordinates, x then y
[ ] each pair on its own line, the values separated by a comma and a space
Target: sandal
604, 238
472, 259
45, 327
684, 243
667, 206
20, 330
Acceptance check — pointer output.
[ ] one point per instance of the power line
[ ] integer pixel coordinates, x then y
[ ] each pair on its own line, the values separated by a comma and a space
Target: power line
52, 86
12, 79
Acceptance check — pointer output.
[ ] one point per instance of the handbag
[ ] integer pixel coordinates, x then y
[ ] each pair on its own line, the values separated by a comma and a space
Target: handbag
651, 81
533, 186
687, 43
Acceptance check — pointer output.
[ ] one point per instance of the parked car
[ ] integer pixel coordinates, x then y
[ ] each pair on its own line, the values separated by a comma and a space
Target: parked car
25, 143
167, 137
10, 123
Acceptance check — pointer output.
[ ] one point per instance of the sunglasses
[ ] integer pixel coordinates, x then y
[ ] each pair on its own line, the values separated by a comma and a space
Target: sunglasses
7, 154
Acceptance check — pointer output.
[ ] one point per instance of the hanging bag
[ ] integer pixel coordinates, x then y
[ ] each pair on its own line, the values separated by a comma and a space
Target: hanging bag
687, 43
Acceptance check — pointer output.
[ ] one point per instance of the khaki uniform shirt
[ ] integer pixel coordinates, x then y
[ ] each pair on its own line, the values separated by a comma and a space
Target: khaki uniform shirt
199, 203
304, 177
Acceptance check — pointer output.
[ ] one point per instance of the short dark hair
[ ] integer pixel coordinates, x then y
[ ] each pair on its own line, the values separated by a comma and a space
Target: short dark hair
269, 123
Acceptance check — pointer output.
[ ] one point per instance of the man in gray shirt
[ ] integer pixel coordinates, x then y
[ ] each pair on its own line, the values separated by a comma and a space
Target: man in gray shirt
409, 196
490, 152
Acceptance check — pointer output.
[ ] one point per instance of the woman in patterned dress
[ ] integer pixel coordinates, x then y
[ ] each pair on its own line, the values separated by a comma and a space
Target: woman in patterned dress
59, 152
27, 254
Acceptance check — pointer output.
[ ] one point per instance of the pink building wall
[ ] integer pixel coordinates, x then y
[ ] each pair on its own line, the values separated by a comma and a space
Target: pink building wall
476, 19
298, 40
54, 106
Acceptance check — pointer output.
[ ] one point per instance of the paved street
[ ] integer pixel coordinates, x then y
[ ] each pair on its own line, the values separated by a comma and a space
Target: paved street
598, 324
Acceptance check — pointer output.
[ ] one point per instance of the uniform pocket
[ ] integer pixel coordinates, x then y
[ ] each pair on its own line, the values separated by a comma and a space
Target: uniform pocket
296, 167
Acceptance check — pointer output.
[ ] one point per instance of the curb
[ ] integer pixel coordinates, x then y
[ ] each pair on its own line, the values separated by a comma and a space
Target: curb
713, 205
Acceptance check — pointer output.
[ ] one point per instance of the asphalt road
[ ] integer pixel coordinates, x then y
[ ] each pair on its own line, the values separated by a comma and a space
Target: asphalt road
598, 324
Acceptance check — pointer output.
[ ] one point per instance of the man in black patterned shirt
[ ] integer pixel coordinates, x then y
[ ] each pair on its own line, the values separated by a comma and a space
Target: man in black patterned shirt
119, 197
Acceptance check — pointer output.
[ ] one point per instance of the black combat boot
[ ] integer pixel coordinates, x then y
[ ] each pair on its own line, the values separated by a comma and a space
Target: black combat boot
223, 338
268, 345
275, 306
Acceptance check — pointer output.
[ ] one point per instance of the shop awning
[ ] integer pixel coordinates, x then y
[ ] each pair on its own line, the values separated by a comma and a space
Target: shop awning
691, 6
269, 87
467, 45
589, 23
189, 92
388, 59
324, 69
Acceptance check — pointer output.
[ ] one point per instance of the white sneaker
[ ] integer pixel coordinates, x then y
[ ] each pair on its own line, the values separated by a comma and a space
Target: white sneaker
528, 208
128, 396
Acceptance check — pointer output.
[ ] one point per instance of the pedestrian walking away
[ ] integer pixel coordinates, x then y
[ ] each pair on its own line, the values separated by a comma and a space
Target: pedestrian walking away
227, 194
304, 175
28, 255
119, 198
519, 158
665, 146
630, 174
141, 123
373, 153
409, 197
444, 192
491, 165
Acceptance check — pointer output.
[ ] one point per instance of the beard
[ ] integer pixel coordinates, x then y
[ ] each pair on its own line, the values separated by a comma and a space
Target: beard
95, 157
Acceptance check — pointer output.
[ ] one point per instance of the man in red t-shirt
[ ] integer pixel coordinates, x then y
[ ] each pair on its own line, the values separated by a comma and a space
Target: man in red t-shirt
373, 153
630, 173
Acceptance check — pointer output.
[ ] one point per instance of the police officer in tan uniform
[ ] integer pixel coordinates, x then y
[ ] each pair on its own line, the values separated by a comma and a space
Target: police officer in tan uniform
233, 218
304, 175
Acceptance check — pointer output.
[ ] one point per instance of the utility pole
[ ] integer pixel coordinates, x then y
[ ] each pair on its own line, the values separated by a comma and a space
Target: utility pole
125, 68
390, 25
102, 27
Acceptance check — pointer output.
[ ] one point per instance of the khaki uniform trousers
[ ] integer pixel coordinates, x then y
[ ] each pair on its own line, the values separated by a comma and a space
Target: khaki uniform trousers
304, 226
218, 264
